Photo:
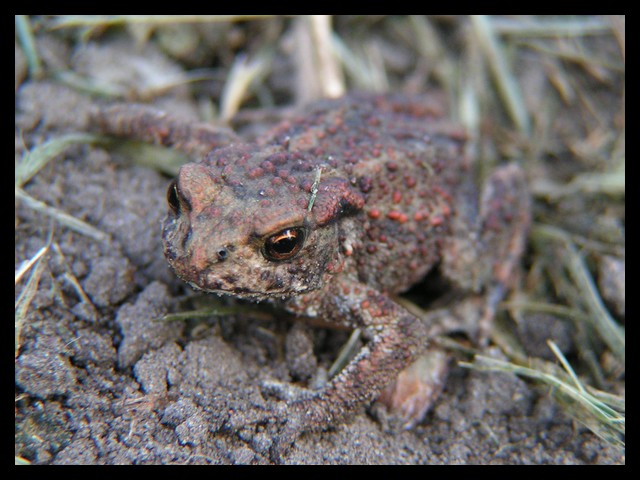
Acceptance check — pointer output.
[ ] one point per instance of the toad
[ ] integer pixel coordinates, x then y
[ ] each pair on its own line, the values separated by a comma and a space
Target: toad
333, 213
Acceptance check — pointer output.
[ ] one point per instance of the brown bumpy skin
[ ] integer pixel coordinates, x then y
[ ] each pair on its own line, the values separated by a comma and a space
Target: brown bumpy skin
333, 212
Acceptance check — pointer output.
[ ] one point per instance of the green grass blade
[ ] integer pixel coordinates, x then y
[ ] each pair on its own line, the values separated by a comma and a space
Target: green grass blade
36, 158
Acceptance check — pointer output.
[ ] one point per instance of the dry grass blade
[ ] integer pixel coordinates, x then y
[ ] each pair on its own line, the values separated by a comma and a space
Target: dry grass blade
73, 281
63, 218
318, 68
27, 294
504, 336
577, 56
92, 86
551, 27
329, 74
242, 75
65, 21
598, 316
153, 86
612, 334
505, 81
602, 413
618, 24
25, 35
430, 46
346, 353
161, 159
607, 183
217, 311
365, 74
27, 264
557, 310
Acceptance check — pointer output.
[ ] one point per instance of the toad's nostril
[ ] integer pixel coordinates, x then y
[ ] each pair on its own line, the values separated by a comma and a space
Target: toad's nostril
222, 254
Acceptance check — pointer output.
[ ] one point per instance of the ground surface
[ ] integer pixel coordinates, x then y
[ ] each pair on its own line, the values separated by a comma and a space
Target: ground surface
99, 380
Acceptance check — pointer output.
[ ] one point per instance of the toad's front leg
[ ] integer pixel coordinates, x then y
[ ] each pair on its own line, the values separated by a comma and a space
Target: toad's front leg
395, 337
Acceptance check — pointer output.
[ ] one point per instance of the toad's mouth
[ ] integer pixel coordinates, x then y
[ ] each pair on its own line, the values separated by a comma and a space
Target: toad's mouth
240, 291
257, 288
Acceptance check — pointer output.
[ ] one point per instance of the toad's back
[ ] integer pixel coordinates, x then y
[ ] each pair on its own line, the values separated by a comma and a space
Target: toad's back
370, 182
405, 161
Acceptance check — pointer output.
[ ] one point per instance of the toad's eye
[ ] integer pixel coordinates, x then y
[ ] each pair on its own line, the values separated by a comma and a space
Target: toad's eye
173, 197
283, 245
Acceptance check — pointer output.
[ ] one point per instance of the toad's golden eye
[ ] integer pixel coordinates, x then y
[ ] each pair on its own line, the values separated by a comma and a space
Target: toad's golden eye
284, 244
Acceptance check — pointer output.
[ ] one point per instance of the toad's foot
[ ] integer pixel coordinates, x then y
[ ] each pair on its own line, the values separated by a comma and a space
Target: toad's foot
406, 401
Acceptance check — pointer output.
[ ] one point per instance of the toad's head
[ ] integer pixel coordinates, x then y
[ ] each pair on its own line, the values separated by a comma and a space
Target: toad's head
256, 222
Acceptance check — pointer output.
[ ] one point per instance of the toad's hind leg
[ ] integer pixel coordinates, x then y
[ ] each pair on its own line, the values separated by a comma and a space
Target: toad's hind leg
147, 124
480, 259
505, 212
482, 254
